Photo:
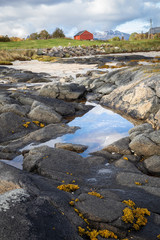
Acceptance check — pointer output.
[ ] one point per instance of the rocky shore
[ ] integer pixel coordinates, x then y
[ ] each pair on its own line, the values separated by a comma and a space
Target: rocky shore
112, 194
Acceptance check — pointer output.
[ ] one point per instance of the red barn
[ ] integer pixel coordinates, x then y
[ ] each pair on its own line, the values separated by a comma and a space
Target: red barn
83, 35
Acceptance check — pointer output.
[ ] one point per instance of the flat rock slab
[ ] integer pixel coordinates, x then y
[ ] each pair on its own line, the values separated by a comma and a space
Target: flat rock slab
100, 210
71, 147
56, 163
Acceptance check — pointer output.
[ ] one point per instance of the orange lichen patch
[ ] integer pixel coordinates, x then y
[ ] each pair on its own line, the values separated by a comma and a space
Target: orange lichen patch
71, 203
76, 200
95, 194
26, 124
135, 216
68, 187
158, 236
6, 186
138, 183
92, 234
38, 124
125, 158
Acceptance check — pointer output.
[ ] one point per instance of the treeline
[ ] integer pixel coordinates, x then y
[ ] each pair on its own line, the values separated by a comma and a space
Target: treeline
10, 39
58, 33
141, 36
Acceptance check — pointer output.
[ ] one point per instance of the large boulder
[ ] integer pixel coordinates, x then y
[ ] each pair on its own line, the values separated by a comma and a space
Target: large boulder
136, 94
152, 164
146, 144
63, 91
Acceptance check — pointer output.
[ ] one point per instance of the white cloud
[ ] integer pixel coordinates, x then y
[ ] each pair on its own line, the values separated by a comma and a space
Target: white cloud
74, 15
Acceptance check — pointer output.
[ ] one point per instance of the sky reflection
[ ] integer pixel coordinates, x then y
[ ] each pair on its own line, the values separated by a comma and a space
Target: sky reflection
98, 128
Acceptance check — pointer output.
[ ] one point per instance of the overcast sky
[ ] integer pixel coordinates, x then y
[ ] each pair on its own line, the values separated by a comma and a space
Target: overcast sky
23, 17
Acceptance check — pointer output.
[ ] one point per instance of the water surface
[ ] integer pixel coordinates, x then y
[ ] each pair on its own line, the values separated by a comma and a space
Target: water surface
98, 128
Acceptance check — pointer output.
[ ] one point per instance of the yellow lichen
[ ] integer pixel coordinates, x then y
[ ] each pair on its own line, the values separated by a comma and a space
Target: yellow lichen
41, 125
138, 183
125, 158
158, 236
107, 234
130, 203
68, 187
128, 216
92, 234
95, 194
26, 124
135, 216
71, 203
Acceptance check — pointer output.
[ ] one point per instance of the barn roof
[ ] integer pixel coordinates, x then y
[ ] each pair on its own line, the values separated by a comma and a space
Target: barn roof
154, 30
79, 33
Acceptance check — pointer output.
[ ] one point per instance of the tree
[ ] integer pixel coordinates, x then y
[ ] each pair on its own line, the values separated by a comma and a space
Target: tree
33, 36
4, 38
115, 39
133, 36
58, 33
44, 35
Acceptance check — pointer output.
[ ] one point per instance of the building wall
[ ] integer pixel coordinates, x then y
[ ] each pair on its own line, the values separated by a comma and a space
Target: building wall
84, 36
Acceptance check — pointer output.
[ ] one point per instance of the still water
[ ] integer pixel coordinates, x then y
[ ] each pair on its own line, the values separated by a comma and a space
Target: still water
98, 128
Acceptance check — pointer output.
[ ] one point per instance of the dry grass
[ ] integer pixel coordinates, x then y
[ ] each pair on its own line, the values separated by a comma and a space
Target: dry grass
12, 55
6, 186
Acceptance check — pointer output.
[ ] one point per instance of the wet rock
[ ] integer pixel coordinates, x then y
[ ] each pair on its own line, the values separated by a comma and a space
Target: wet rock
44, 114
71, 147
121, 146
152, 164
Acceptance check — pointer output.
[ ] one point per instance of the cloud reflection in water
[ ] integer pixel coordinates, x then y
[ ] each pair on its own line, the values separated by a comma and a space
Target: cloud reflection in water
98, 128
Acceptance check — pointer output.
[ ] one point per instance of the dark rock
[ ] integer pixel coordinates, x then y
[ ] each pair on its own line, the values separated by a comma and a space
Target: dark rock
100, 210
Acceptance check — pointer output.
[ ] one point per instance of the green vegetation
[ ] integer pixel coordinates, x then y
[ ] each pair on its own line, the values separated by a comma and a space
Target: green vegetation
121, 46
49, 43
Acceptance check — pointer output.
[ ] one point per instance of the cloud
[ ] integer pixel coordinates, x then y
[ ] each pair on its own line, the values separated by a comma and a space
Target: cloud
74, 15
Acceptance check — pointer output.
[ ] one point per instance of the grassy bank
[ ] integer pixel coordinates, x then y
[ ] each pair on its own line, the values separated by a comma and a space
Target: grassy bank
35, 44
124, 46
25, 50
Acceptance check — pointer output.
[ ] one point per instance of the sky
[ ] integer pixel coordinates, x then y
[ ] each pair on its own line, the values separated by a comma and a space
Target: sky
21, 18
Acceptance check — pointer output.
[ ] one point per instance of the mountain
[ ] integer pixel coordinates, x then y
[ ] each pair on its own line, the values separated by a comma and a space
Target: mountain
110, 34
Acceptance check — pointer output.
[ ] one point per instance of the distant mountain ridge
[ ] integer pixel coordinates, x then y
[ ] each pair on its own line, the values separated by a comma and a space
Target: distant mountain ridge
110, 34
